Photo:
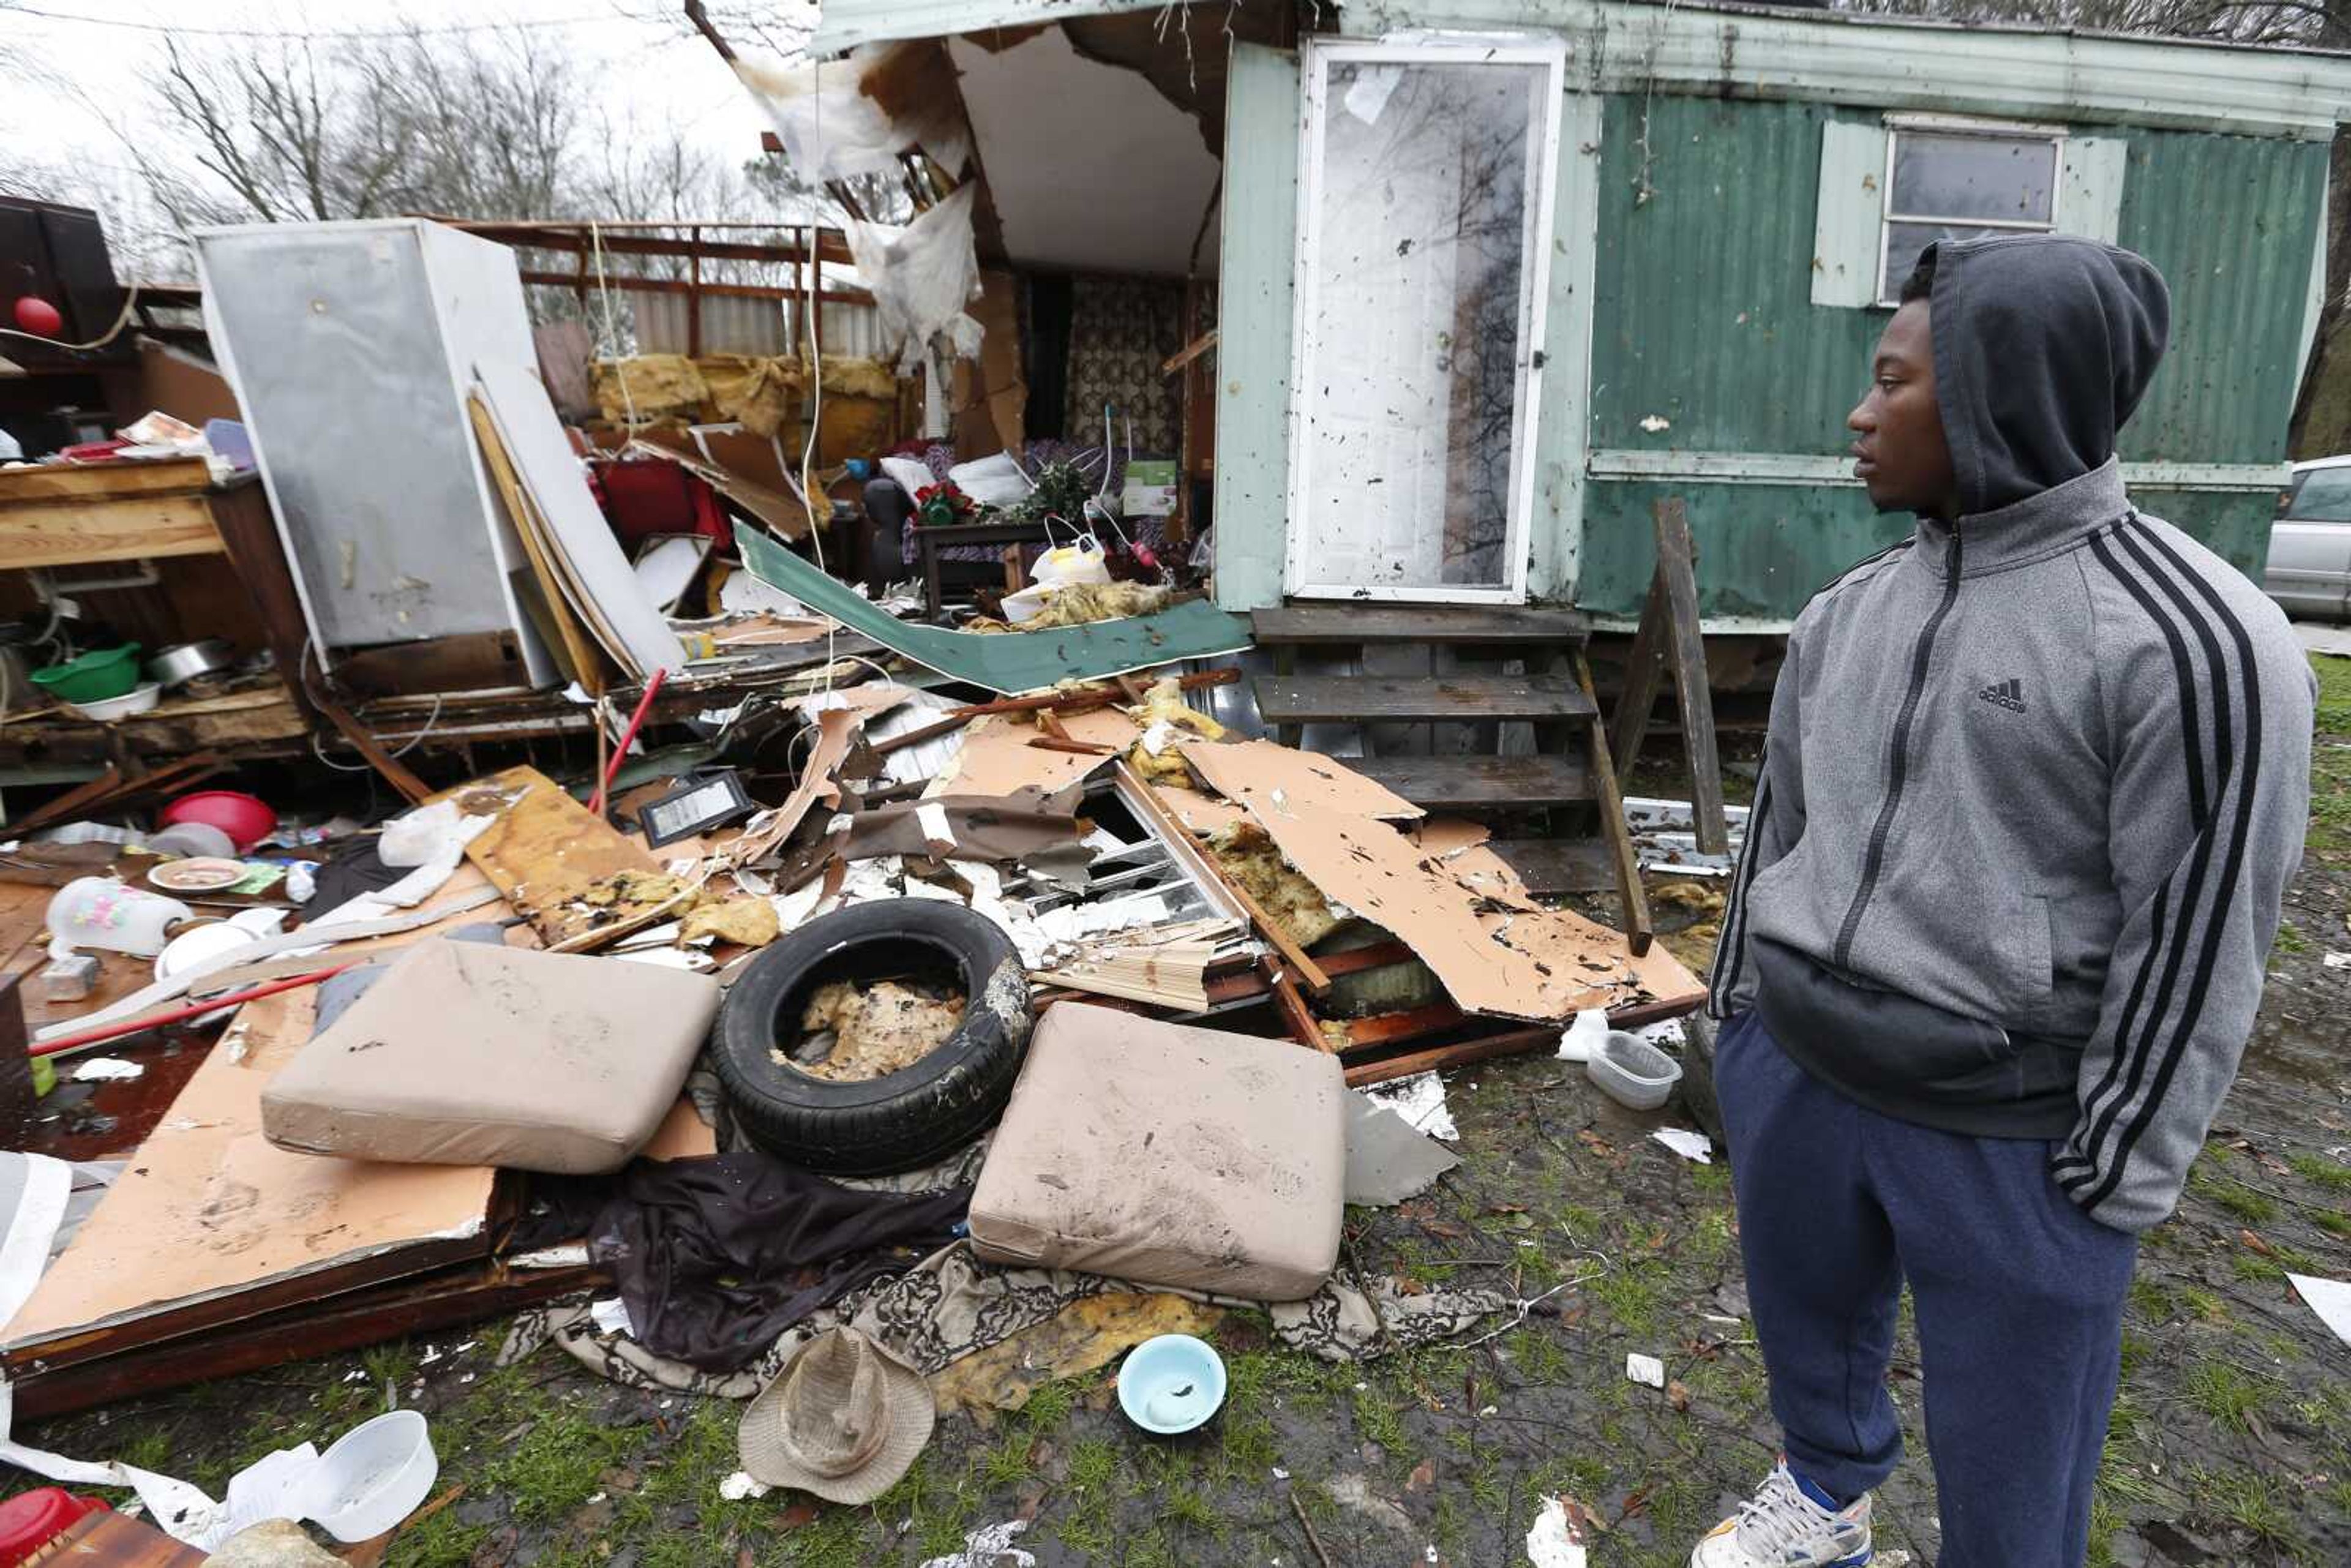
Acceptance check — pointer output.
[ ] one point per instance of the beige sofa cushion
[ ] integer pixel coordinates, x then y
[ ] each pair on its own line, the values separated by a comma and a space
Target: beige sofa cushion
1168, 1155
468, 1054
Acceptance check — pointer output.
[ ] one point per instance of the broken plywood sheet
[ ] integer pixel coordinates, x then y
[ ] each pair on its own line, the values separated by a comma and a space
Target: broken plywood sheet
1544, 964
1202, 814
997, 759
208, 1211
1463, 848
546, 852
836, 729
1266, 777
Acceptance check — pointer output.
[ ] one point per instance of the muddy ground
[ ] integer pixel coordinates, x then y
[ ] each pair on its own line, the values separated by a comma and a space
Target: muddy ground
2230, 1444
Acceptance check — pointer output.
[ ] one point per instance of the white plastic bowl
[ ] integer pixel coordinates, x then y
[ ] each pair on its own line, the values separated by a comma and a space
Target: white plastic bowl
1631, 1072
139, 699
375, 1476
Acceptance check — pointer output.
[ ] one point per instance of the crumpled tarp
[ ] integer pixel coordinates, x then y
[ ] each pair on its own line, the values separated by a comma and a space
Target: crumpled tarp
717, 1256
1012, 662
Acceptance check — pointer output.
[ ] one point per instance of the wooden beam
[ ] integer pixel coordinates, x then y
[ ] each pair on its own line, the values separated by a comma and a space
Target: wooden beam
1291, 953
631, 285
410, 786
1632, 899
248, 532
84, 483
1415, 1023
1293, 1010
1677, 568
1645, 668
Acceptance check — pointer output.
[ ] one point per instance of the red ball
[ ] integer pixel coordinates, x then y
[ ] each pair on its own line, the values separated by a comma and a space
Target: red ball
38, 317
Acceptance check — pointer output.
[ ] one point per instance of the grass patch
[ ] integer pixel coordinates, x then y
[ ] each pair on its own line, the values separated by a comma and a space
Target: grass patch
2227, 1394
2320, 1171
1634, 1296
2334, 1221
2251, 1501
2290, 939
2203, 1306
2242, 1202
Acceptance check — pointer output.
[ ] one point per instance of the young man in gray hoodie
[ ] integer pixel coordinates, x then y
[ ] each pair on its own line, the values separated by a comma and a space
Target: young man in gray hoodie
2035, 781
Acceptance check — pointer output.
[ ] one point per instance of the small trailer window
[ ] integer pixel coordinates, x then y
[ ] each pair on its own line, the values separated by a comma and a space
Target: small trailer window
1950, 180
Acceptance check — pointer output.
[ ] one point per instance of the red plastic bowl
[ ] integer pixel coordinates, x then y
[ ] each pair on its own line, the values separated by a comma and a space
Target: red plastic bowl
246, 820
32, 1521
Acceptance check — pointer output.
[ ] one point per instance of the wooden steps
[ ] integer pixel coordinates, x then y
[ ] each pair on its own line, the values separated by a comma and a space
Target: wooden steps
1345, 625
1550, 867
1376, 699
1481, 784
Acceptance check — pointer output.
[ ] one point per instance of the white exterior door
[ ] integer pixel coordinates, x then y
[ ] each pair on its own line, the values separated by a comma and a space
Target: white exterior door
1424, 212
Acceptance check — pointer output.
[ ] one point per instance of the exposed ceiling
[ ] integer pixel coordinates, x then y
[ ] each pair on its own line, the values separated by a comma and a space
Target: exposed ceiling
1089, 167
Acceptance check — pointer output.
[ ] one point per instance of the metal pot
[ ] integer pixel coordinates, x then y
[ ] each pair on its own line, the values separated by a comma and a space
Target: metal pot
183, 662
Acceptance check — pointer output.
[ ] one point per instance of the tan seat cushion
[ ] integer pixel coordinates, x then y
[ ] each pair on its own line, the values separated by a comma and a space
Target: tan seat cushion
1168, 1155
467, 1054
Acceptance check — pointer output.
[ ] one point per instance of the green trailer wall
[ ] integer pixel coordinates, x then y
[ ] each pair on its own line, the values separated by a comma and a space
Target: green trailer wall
1703, 318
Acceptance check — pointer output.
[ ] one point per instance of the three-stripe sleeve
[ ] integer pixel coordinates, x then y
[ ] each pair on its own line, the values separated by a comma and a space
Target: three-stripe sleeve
2208, 716
1774, 824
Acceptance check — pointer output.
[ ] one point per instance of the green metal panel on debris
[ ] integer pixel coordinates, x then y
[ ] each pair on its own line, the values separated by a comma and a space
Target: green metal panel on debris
1254, 290
1007, 661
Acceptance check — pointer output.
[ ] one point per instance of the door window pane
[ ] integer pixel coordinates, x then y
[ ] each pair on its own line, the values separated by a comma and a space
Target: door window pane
1423, 223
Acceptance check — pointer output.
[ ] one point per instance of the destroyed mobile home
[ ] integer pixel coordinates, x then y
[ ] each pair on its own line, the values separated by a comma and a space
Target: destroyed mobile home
790, 854
817, 958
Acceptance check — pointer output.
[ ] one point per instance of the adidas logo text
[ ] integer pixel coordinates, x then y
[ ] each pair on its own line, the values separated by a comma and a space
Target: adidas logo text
2009, 694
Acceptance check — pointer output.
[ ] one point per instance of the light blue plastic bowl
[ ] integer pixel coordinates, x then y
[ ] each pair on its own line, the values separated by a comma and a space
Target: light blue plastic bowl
1171, 1383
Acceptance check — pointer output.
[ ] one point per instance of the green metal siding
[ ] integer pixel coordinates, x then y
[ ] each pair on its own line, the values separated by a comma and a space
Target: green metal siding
1705, 317
2229, 220
1762, 549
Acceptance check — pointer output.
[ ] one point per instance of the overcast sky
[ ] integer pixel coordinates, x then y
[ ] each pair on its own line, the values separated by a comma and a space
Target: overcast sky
108, 49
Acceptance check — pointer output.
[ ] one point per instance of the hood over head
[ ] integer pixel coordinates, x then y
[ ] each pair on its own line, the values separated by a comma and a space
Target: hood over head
2044, 346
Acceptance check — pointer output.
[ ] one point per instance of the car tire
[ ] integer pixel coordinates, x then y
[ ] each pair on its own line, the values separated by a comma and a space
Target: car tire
901, 1120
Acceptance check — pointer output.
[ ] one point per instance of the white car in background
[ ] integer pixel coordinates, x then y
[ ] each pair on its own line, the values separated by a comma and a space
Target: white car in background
2309, 572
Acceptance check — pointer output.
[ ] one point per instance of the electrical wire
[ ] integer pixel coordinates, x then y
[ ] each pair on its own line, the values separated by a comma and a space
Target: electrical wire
129, 303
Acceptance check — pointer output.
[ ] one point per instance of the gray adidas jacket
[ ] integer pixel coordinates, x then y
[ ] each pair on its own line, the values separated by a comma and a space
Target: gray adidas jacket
2034, 783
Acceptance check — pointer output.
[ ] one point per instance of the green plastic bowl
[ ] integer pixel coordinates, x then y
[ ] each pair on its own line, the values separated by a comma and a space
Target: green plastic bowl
93, 677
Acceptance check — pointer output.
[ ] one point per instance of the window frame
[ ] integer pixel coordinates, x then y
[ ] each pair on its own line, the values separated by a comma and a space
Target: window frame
1889, 288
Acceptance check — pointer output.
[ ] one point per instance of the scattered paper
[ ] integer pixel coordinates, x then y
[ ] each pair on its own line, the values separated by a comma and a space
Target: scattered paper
2330, 1298
990, 1547
610, 1315
108, 1070
1645, 1370
1554, 1542
1420, 1101
2339, 960
1688, 1144
740, 1485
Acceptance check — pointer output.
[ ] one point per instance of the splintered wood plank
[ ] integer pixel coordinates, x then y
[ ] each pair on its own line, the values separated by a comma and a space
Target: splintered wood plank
1369, 699
1678, 567
1479, 783
546, 852
136, 528
104, 481
1344, 625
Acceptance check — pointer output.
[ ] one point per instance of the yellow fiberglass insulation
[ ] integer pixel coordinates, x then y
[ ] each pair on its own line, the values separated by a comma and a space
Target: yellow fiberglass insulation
1162, 709
1249, 856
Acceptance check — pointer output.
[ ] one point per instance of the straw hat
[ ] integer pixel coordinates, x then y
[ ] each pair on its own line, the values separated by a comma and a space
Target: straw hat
844, 1419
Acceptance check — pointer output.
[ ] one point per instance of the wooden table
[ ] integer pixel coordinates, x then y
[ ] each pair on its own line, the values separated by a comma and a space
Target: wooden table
930, 541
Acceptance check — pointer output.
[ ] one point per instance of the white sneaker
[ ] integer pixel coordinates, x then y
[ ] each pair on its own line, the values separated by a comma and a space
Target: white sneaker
1783, 1527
